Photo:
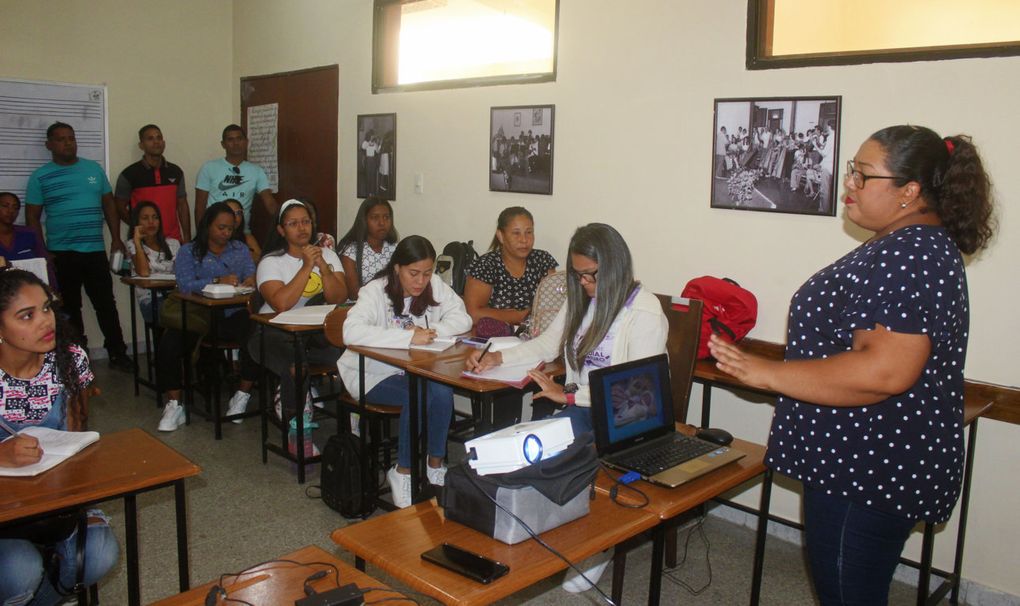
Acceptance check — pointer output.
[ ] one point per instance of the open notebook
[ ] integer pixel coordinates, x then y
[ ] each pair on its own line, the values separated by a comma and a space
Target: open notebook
58, 446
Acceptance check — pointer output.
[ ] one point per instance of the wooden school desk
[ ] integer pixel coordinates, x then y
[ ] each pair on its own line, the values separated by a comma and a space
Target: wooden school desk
395, 541
122, 464
298, 332
214, 305
275, 583
155, 288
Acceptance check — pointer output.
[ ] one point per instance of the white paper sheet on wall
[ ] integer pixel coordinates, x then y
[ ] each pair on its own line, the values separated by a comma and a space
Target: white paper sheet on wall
263, 129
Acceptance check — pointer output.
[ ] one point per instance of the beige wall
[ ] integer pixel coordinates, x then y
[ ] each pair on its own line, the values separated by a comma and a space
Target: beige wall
164, 63
633, 148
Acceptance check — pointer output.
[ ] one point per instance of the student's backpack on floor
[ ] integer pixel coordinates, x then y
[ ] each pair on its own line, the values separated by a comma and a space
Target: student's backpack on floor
346, 486
452, 265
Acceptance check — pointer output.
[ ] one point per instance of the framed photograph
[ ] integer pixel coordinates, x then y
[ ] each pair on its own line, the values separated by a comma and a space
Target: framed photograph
377, 156
776, 154
521, 149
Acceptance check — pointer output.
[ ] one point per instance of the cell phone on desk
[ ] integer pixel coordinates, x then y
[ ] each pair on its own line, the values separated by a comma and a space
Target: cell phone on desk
466, 563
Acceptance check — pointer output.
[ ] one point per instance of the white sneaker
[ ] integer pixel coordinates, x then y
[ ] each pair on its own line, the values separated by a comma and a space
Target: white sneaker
400, 487
436, 475
238, 404
173, 416
313, 395
593, 568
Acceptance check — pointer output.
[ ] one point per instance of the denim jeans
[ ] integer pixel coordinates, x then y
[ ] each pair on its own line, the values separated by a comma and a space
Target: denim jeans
23, 579
393, 391
853, 550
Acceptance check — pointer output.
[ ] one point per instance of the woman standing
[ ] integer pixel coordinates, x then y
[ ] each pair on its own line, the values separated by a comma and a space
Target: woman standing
292, 273
406, 305
150, 251
213, 257
870, 419
367, 247
37, 357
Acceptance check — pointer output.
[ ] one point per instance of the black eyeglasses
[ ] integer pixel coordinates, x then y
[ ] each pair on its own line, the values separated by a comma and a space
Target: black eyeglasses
584, 276
860, 178
236, 169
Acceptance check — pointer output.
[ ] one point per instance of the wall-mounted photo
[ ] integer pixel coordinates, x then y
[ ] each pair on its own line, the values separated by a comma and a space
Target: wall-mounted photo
377, 156
776, 154
521, 149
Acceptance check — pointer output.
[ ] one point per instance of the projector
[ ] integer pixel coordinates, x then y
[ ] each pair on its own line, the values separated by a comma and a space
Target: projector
519, 445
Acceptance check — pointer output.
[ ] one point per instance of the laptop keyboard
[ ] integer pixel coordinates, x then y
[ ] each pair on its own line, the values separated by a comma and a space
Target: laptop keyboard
664, 456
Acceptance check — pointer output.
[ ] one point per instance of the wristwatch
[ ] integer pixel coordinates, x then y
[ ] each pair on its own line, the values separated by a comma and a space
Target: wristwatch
569, 390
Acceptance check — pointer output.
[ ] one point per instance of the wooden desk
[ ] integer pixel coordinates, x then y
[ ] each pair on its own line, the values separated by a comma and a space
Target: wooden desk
214, 305
122, 464
394, 542
155, 287
277, 583
297, 331
669, 503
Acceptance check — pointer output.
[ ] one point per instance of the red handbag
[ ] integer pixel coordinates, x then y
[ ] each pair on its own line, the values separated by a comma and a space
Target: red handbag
728, 309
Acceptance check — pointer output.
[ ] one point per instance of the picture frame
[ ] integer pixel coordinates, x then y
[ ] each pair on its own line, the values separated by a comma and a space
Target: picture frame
521, 149
377, 156
776, 154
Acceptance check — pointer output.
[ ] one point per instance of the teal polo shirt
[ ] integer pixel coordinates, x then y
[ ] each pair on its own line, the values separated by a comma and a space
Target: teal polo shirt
72, 197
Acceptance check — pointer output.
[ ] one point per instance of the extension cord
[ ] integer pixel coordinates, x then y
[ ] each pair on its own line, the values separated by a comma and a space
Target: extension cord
348, 595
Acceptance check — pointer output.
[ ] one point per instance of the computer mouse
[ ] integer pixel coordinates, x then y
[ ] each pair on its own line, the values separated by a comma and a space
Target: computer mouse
715, 435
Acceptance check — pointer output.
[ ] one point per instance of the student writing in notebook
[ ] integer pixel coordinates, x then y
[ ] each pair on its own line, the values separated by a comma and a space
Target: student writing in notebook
292, 273
391, 312
43, 378
608, 318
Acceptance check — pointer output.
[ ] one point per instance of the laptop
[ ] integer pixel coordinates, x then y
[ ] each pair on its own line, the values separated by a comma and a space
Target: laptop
632, 414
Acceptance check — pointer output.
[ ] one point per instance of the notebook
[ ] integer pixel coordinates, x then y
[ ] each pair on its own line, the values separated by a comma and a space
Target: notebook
632, 414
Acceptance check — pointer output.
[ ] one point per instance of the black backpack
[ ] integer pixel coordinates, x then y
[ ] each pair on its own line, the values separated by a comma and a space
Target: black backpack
461, 255
346, 486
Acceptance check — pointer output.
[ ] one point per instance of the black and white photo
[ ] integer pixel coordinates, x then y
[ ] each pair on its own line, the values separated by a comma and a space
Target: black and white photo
377, 156
521, 149
776, 154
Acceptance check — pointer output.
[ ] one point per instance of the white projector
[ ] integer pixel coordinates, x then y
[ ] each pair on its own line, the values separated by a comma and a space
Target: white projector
519, 445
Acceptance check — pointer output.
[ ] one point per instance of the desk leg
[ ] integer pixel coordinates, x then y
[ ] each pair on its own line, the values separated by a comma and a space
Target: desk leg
214, 388
188, 395
131, 538
415, 445
263, 402
961, 533
706, 404
299, 402
760, 535
927, 550
655, 580
182, 536
134, 335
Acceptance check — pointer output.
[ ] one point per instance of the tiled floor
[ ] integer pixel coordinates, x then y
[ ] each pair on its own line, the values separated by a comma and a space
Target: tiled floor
242, 512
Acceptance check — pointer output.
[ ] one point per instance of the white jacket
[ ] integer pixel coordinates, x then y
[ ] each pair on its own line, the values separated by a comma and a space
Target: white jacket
367, 325
642, 333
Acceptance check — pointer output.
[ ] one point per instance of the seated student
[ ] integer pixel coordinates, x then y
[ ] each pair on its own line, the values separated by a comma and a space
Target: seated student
609, 318
38, 357
372, 238
240, 234
211, 258
18, 242
292, 273
393, 311
501, 283
149, 250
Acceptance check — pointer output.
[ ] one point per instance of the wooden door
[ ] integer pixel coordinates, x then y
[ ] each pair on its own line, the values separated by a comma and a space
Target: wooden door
307, 135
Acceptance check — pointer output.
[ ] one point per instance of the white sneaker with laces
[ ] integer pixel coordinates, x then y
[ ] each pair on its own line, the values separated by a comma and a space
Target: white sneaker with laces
400, 487
173, 416
238, 404
593, 568
436, 475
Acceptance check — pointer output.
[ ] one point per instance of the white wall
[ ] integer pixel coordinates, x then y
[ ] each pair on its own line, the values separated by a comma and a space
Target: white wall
163, 63
634, 148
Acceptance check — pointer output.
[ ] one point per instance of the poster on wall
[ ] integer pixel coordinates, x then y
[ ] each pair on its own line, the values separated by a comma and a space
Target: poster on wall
521, 149
377, 156
263, 132
776, 154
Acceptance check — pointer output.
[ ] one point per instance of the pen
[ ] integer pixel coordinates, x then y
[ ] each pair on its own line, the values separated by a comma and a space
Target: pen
484, 351
427, 321
8, 428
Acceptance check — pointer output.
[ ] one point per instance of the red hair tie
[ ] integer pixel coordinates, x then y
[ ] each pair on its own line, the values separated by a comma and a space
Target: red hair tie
949, 146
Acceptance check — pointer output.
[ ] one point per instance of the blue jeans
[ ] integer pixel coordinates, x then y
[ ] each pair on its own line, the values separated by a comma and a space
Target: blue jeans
393, 391
23, 579
853, 550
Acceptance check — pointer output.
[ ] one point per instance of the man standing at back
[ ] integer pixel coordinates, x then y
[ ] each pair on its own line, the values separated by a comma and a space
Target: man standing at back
77, 197
233, 177
154, 179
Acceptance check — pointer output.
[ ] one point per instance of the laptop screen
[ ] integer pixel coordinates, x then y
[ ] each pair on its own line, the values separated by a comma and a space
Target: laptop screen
631, 402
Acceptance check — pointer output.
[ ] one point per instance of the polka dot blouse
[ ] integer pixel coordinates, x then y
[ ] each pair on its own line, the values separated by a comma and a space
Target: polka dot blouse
903, 455
509, 292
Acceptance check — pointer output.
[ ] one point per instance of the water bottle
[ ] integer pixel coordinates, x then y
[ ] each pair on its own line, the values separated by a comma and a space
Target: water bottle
309, 445
117, 261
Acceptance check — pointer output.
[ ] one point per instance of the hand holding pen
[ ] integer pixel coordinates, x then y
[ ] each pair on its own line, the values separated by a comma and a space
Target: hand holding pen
482, 360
